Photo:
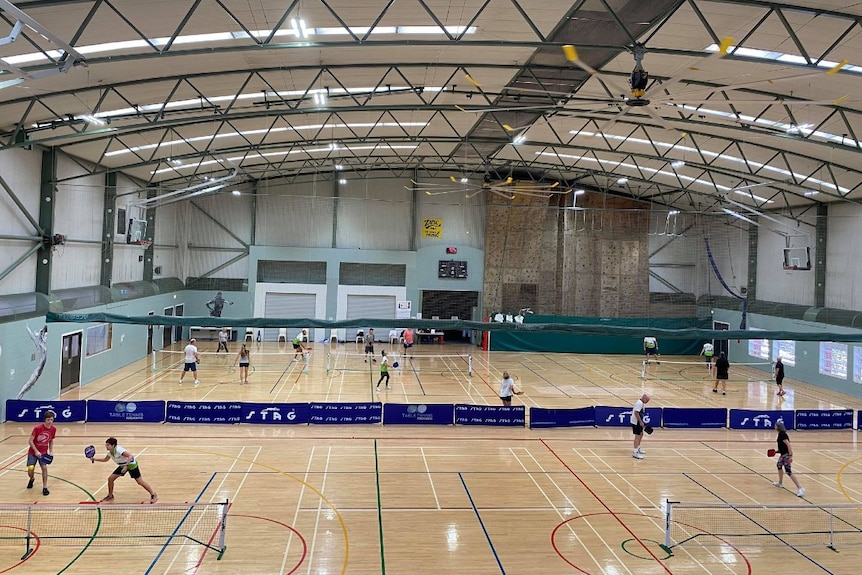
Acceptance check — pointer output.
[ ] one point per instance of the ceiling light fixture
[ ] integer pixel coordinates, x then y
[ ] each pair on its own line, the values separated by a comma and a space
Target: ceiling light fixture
677, 164
622, 181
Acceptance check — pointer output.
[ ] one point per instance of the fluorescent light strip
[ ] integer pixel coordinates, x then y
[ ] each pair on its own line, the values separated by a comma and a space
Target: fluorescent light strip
802, 178
610, 166
96, 49
773, 56
258, 155
209, 137
286, 94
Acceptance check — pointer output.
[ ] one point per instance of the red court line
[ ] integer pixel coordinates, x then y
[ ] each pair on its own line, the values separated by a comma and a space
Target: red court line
13, 462
285, 525
33, 552
609, 510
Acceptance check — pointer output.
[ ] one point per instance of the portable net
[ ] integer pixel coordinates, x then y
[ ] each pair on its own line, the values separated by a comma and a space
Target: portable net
212, 362
719, 523
114, 524
697, 371
452, 365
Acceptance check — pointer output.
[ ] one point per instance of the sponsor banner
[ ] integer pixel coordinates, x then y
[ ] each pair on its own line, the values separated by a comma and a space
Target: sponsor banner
759, 418
702, 417
824, 419
582, 417
418, 413
515, 416
203, 412
275, 413
26, 410
345, 413
607, 416
100, 411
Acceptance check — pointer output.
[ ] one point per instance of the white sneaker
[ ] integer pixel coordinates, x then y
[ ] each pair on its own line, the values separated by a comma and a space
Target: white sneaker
641, 450
800, 492
777, 484
637, 455
181, 382
197, 382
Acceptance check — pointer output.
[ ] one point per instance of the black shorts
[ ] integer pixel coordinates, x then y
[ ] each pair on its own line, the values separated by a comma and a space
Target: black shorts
637, 429
369, 348
651, 351
722, 376
506, 398
779, 379
193, 366
297, 346
407, 345
133, 473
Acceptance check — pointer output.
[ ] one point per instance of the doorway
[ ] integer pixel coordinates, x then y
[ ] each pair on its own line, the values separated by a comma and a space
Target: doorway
70, 367
721, 345
168, 331
178, 329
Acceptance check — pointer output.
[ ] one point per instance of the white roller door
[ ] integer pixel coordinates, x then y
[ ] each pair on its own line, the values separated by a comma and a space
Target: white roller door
372, 306
288, 305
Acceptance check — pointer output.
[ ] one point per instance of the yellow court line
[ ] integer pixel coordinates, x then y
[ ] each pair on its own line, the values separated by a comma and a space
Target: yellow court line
298, 480
838, 478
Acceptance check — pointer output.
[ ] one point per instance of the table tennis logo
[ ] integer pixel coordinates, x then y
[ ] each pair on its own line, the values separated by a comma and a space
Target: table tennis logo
625, 416
763, 421
65, 413
126, 407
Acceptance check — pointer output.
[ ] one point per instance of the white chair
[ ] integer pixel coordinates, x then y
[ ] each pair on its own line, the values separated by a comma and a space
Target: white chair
360, 336
249, 334
394, 336
305, 335
333, 338
282, 334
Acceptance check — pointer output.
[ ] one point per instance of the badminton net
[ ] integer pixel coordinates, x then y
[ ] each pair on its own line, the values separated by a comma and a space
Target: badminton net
452, 365
124, 525
718, 523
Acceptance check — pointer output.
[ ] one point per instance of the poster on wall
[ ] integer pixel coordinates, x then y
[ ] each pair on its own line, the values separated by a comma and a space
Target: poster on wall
833, 359
432, 228
402, 309
785, 349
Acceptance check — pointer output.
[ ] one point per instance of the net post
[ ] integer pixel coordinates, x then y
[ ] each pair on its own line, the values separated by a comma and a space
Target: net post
328, 362
222, 528
643, 368
154, 360
28, 550
667, 524
470, 365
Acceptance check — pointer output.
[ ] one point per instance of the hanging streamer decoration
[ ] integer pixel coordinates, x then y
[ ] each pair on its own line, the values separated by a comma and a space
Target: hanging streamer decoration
742, 324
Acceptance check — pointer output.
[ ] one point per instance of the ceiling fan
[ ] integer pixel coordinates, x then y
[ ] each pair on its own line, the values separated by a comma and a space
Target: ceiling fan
508, 188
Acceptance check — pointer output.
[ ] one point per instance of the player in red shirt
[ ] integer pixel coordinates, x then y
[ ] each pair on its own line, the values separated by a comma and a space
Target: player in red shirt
41, 443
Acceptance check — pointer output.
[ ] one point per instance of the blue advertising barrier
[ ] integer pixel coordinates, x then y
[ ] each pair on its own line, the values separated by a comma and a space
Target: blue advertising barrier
607, 416
418, 413
582, 417
346, 413
275, 413
34, 411
759, 418
515, 416
203, 412
824, 419
100, 411
701, 417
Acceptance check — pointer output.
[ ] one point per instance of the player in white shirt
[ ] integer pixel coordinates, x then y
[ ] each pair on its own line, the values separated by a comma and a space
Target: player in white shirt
126, 463
507, 389
651, 348
638, 425
708, 351
191, 360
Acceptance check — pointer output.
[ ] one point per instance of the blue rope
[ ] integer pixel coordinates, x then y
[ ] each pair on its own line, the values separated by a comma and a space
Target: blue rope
742, 324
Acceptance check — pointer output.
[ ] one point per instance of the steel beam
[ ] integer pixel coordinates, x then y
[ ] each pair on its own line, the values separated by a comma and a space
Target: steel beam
108, 219
47, 195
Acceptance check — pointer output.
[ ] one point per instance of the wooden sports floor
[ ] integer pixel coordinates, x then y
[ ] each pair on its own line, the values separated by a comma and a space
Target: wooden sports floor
412, 499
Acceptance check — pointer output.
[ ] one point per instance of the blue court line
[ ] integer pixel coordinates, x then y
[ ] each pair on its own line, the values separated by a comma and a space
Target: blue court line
277, 381
180, 524
482, 524
705, 488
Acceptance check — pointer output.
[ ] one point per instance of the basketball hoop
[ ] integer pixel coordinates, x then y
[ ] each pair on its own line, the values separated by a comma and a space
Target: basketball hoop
144, 244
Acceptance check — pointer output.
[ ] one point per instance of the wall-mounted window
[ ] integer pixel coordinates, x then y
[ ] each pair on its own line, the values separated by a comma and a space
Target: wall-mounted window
99, 338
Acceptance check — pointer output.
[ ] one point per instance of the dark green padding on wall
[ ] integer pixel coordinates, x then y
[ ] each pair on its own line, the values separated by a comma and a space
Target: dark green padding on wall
601, 343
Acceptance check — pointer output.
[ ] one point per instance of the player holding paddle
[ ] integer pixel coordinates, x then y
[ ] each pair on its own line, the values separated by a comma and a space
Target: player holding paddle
41, 449
126, 462
785, 459
507, 389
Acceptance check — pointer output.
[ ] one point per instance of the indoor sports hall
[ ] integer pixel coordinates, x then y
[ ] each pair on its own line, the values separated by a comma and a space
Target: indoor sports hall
494, 286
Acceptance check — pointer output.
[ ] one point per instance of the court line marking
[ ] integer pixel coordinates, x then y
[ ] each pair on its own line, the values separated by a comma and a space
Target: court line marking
427, 472
298, 509
482, 525
379, 509
603, 504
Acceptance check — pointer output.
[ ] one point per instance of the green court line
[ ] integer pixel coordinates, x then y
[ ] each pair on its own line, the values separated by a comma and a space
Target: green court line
379, 510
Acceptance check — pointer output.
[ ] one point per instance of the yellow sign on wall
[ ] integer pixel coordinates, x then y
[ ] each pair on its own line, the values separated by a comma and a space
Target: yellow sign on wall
432, 228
